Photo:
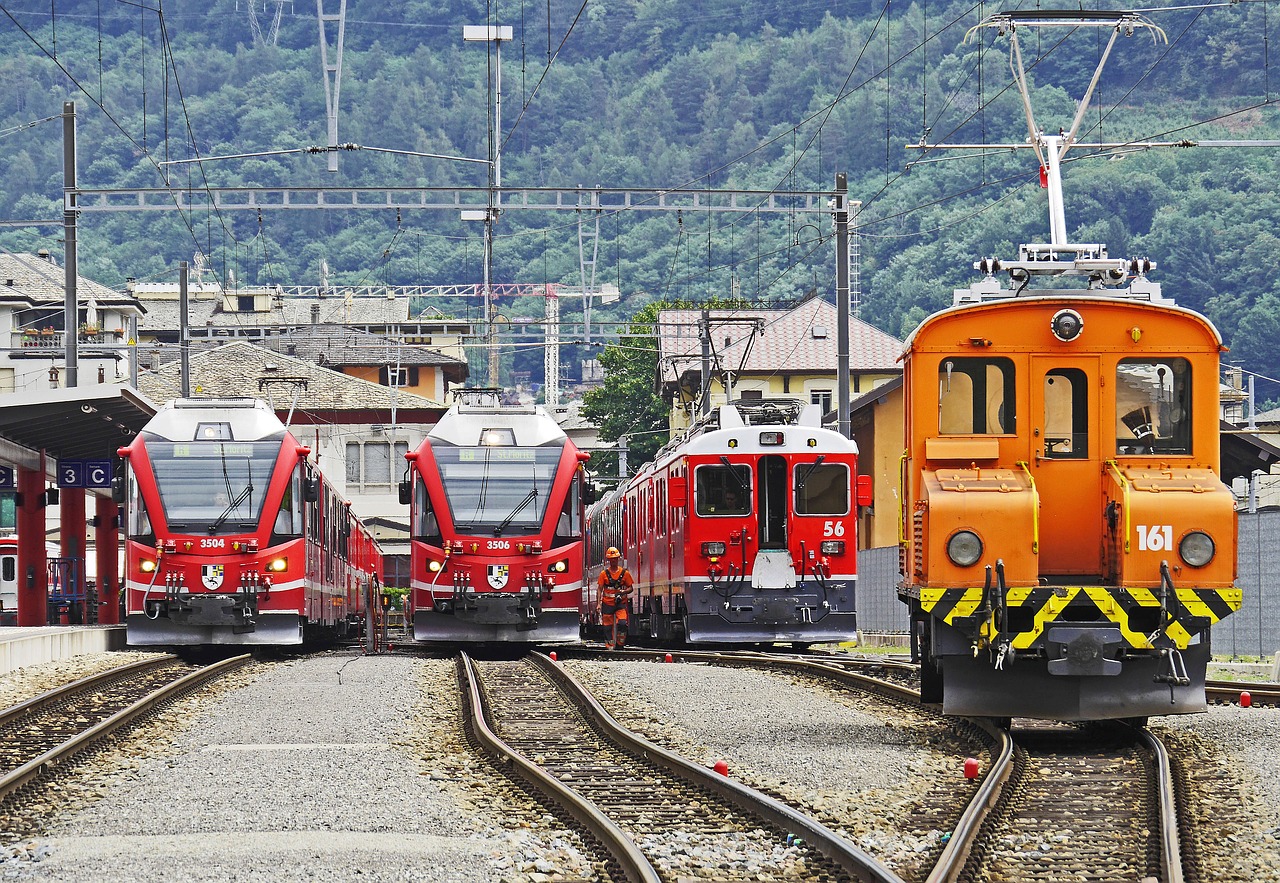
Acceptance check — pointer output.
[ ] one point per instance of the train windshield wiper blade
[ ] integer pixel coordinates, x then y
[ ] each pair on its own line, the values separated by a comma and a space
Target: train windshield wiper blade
528, 498
803, 477
231, 507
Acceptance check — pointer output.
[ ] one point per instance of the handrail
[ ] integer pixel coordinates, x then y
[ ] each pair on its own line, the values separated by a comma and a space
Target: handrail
1124, 489
1035, 510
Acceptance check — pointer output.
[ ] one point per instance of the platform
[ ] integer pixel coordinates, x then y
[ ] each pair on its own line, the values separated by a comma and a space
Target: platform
32, 645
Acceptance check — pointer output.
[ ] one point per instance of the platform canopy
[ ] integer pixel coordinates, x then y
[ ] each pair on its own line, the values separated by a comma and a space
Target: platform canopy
80, 423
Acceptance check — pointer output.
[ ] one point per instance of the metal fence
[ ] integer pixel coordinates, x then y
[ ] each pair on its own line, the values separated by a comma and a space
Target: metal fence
1253, 631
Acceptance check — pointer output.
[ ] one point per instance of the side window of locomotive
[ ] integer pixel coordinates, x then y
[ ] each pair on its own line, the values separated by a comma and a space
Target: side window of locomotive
723, 490
1153, 406
1066, 414
289, 518
822, 489
976, 396
426, 526
139, 523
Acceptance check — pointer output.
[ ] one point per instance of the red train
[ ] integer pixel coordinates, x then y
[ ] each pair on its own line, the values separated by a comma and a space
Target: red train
496, 512
741, 531
233, 537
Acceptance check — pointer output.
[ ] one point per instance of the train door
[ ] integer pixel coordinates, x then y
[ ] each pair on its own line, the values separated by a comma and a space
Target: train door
1065, 457
8, 583
771, 479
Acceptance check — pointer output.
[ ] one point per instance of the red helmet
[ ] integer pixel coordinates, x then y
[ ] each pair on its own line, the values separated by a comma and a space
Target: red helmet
612, 553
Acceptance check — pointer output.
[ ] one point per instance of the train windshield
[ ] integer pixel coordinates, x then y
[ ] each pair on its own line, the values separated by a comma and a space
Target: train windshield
496, 490
1153, 406
213, 487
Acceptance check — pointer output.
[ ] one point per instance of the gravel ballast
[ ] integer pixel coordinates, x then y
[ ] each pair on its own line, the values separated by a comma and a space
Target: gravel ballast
306, 770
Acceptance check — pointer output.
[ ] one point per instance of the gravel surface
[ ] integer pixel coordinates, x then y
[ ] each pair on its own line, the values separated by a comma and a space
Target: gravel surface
341, 767
823, 754
317, 769
861, 766
1230, 755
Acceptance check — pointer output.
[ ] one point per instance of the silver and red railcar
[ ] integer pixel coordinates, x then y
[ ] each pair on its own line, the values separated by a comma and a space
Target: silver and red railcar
496, 514
233, 536
777, 564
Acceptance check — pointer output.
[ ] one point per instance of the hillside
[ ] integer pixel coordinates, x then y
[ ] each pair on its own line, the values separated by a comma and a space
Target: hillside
650, 94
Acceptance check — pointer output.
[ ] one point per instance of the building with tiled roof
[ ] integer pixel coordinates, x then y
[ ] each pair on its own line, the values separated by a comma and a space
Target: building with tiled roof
378, 358
33, 320
359, 431
768, 354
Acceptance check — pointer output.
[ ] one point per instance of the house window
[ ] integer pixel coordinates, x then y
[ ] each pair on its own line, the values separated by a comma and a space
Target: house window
399, 377
244, 303
374, 465
821, 398
748, 395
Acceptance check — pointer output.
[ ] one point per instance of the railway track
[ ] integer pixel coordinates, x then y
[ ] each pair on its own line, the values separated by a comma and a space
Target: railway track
657, 816
46, 731
1057, 802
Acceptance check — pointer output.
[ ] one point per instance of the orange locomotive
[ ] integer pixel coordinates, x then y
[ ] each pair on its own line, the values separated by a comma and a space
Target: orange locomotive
1067, 542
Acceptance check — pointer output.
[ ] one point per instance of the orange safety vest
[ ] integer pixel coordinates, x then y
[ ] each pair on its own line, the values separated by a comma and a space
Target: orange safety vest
615, 591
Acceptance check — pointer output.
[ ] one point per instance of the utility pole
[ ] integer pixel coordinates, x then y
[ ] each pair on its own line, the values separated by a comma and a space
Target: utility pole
842, 304
332, 71
184, 333
70, 305
494, 34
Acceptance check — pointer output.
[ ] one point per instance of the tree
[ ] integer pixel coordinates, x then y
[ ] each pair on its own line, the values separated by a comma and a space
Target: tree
628, 402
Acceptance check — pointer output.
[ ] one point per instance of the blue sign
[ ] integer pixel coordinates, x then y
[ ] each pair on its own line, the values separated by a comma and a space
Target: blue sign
97, 473
70, 473
8, 481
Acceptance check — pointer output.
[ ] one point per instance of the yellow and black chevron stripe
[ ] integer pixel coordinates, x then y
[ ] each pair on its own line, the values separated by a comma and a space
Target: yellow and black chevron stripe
1192, 610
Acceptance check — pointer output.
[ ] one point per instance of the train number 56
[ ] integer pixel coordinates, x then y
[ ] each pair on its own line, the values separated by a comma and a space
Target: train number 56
833, 528
1155, 537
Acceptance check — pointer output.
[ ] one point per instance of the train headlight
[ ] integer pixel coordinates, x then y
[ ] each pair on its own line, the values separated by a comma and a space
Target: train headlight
964, 548
560, 566
434, 566
771, 438
1066, 325
833, 547
1196, 548
713, 549
146, 565
278, 565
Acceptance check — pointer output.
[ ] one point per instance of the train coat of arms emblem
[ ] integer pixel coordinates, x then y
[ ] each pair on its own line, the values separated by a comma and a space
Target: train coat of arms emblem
498, 575
211, 576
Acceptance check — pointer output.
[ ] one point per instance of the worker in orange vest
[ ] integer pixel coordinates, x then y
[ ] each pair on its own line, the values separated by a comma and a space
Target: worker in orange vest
615, 599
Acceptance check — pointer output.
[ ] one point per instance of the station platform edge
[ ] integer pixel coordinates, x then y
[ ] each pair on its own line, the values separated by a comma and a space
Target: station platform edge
21, 646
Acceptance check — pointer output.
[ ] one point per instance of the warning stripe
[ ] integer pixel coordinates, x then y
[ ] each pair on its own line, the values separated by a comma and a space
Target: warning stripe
1190, 609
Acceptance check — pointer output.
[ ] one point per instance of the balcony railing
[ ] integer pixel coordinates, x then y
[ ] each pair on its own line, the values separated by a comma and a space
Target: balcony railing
38, 341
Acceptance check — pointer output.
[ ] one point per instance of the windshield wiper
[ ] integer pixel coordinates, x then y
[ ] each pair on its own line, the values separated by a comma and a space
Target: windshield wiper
528, 498
801, 479
231, 507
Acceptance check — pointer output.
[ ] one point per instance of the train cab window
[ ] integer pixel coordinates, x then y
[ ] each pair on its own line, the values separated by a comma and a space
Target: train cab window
139, 522
723, 490
822, 489
976, 396
1066, 414
1153, 406
426, 526
8, 568
289, 518
569, 523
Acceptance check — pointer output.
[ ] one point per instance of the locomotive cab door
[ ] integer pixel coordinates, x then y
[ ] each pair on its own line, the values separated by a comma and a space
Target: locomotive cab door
1065, 451
771, 478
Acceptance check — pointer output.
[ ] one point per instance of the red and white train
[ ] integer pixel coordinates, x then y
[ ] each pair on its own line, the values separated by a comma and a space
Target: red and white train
744, 530
233, 536
496, 523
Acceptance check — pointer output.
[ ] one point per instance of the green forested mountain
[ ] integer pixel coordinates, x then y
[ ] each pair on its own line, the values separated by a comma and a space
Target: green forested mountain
654, 94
